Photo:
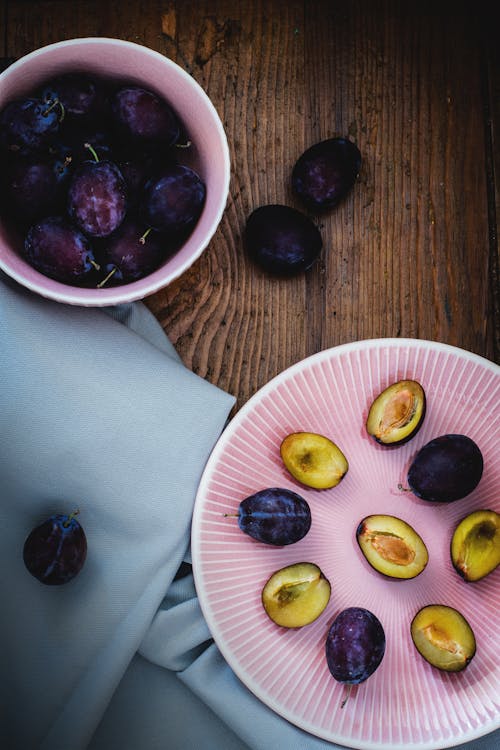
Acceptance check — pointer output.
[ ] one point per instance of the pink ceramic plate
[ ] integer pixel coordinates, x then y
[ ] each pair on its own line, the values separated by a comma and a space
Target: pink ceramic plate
406, 702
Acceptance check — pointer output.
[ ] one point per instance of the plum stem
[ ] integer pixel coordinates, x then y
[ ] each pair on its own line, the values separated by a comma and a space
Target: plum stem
95, 265
67, 522
142, 239
347, 694
403, 489
92, 151
107, 278
231, 515
183, 145
51, 106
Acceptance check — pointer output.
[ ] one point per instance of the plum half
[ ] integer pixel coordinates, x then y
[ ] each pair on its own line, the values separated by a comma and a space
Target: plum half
443, 637
446, 469
314, 460
355, 645
475, 545
296, 595
392, 546
397, 413
275, 515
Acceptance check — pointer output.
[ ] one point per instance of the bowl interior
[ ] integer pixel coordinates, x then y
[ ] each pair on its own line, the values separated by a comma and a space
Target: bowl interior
126, 61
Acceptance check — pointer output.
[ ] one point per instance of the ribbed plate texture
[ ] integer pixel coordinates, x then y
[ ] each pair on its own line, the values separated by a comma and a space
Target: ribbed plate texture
406, 702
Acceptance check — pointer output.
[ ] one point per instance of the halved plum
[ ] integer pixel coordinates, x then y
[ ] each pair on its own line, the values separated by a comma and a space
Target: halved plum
314, 460
397, 413
392, 546
296, 595
443, 637
475, 545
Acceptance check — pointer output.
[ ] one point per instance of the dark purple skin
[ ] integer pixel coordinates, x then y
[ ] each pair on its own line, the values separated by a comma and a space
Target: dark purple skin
134, 251
32, 190
59, 250
82, 97
325, 173
97, 198
137, 169
28, 125
446, 469
282, 240
275, 516
174, 199
142, 116
355, 645
55, 551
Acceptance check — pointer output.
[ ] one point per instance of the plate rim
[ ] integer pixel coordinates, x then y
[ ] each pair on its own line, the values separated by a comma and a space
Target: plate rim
218, 449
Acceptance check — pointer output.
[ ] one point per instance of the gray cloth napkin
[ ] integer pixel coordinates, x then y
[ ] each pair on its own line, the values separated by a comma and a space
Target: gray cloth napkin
97, 412
98, 418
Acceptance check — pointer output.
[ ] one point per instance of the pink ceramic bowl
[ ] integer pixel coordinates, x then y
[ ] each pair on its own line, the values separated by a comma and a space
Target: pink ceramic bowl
209, 154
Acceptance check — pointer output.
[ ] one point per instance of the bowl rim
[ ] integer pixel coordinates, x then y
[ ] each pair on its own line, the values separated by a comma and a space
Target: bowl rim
136, 290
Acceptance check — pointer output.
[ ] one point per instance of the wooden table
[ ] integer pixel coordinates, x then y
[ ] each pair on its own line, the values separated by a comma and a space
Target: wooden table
412, 252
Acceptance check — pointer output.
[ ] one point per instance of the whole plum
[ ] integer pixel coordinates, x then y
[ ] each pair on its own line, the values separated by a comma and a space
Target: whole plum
355, 645
55, 551
446, 469
275, 516
282, 240
325, 173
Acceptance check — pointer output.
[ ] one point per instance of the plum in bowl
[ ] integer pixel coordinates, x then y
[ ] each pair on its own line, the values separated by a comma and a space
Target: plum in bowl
122, 64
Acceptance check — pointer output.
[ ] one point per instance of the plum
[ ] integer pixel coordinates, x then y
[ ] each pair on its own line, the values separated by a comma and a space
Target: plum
173, 200
133, 251
475, 545
443, 637
55, 551
32, 190
325, 173
296, 595
143, 117
314, 460
275, 515
446, 469
60, 251
282, 240
28, 125
355, 645
97, 198
397, 413
392, 546
81, 96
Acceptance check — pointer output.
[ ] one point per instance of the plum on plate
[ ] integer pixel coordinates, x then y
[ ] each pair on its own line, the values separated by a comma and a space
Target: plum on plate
397, 413
275, 516
443, 637
392, 546
282, 240
446, 469
475, 545
55, 551
325, 173
296, 595
355, 645
313, 459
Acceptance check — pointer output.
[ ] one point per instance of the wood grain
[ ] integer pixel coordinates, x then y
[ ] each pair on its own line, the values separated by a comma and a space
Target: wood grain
412, 251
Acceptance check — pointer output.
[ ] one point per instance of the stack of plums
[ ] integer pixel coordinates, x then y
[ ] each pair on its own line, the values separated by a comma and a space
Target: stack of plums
91, 176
